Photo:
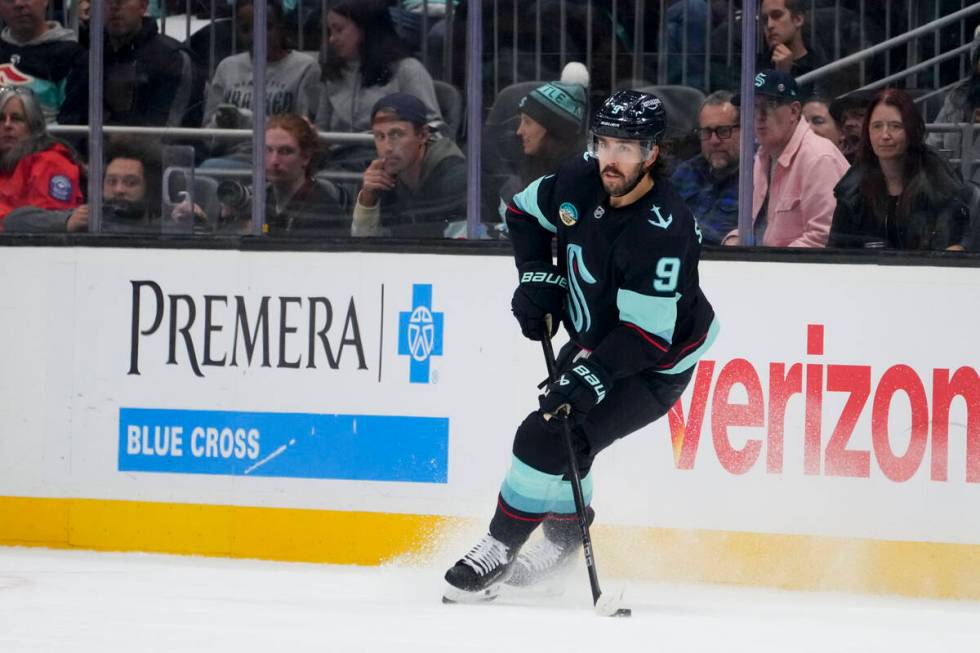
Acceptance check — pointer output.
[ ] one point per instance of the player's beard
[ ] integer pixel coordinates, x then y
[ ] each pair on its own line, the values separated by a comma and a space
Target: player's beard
625, 184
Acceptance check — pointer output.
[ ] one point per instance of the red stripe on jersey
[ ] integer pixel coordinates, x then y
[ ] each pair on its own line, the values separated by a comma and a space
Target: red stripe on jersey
693, 345
646, 337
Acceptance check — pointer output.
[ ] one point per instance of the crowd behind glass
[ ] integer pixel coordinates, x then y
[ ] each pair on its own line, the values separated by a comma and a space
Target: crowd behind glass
365, 130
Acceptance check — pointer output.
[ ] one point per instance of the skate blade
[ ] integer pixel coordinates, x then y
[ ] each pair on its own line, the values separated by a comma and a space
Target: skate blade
544, 589
454, 595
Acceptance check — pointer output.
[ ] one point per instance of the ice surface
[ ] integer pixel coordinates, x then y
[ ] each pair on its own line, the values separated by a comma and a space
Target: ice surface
85, 601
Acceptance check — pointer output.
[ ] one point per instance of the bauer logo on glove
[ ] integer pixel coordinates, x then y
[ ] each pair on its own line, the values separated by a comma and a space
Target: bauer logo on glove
545, 277
580, 388
539, 301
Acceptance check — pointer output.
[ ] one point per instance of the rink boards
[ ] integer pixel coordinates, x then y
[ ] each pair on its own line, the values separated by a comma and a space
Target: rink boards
358, 408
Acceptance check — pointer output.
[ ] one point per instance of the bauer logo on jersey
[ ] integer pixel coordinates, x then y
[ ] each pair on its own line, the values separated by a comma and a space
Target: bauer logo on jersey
60, 188
420, 333
568, 213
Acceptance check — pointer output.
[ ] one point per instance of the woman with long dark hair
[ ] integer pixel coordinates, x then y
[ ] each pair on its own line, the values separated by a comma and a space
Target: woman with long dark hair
366, 61
900, 193
35, 168
550, 129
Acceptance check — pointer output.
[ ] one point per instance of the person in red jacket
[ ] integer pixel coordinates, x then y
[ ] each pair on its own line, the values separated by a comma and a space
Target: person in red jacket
35, 169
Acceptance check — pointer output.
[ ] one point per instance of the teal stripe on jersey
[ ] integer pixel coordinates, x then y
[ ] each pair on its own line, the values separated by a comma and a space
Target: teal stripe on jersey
656, 315
535, 492
527, 201
692, 358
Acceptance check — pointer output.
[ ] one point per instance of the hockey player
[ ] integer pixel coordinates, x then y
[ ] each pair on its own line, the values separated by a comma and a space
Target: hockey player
626, 288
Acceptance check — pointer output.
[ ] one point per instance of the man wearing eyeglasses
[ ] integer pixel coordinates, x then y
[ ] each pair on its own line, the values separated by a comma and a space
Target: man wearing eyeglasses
795, 170
708, 182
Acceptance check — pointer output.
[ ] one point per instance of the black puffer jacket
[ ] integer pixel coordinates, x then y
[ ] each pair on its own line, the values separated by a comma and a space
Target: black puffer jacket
934, 222
150, 80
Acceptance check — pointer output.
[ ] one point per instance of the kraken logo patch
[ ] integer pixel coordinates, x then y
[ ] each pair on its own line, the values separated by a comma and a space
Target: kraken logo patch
568, 213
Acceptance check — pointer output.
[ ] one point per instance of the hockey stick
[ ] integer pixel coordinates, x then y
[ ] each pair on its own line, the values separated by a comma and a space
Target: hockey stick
604, 605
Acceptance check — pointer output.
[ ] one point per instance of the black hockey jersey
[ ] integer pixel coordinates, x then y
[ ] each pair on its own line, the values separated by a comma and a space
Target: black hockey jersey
42, 66
634, 299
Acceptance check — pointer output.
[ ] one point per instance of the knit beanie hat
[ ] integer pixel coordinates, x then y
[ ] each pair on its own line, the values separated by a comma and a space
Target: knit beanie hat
558, 106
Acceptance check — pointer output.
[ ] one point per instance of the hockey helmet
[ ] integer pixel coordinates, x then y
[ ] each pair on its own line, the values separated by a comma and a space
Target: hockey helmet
631, 115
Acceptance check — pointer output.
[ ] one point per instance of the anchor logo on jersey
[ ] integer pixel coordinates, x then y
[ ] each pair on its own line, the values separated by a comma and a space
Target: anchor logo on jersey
661, 221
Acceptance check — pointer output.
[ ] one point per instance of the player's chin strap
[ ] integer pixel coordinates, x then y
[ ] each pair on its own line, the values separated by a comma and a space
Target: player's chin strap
602, 604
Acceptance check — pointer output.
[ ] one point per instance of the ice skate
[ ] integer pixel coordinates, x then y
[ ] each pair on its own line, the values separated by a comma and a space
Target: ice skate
555, 553
479, 574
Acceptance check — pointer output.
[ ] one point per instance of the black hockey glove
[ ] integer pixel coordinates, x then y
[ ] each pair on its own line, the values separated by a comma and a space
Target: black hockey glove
580, 388
541, 293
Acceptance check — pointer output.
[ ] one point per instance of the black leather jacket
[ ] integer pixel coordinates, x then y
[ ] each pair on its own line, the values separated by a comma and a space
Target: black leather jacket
934, 223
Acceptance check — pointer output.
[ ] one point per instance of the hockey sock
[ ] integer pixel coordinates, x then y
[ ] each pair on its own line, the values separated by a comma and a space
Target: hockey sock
512, 526
563, 529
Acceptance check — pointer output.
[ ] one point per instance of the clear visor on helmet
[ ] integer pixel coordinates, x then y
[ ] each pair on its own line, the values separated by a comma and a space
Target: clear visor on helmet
622, 150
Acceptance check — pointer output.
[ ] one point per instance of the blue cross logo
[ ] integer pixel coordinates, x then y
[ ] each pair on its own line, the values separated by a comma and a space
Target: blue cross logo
420, 333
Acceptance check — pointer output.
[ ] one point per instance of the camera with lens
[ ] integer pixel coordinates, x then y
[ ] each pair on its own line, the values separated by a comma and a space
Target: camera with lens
235, 196
123, 211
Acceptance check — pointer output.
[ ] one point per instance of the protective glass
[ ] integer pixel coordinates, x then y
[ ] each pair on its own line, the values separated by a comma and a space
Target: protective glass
624, 151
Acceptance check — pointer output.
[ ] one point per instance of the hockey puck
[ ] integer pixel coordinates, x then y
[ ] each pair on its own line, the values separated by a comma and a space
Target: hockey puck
608, 606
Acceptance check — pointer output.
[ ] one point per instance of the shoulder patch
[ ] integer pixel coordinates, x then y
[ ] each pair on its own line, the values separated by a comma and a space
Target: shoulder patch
60, 188
568, 213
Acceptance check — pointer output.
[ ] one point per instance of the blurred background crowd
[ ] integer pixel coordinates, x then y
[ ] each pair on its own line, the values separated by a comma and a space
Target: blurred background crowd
383, 118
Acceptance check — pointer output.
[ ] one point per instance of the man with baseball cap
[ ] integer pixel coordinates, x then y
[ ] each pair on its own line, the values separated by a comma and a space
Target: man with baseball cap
417, 185
795, 170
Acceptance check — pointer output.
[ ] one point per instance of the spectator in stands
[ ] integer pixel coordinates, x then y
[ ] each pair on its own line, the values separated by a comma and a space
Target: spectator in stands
35, 169
366, 61
149, 77
795, 170
416, 185
686, 21
961, 105
551, 128
782, 24
849, 112
901, 194
816, 111
292, 86
708, 182
130, 193
36, 53
297, 203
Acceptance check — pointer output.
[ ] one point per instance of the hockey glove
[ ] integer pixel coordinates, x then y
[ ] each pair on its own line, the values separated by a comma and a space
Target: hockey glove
541, 293
580, 388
